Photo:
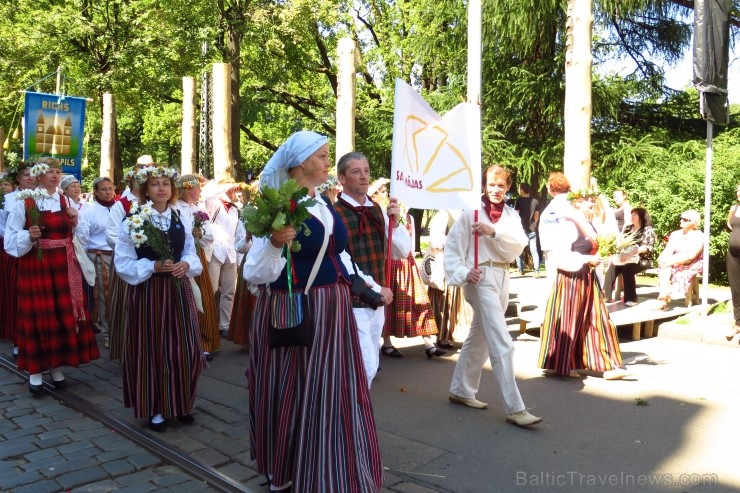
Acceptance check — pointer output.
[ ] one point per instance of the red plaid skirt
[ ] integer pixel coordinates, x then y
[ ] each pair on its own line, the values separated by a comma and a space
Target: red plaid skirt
410, 314
49, 333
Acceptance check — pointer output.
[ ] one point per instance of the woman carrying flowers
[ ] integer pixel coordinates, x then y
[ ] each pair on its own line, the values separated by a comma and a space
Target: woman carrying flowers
188, 189
577, 333
162, 352
311, 420
53, 322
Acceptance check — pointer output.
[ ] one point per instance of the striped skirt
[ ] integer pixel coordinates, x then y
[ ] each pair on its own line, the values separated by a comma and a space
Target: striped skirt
162, 355
310, 416
117, 314
208, 320
452, 313
241, 313
8, 296
577, 332
410, 314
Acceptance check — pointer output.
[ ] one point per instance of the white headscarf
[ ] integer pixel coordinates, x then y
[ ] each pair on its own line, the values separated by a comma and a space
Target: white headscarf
292, 153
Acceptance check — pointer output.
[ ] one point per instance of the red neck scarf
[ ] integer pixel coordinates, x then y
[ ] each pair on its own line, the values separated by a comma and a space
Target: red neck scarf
227, 205
494, 211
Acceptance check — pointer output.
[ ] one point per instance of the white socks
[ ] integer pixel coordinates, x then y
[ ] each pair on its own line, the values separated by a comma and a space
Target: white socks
56, 375
156, 419
36, 379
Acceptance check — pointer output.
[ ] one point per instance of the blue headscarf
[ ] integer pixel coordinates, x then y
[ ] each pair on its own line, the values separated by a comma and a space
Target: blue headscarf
292, 153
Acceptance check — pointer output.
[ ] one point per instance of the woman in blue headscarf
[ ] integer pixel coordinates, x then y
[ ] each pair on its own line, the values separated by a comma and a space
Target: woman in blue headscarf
311, 420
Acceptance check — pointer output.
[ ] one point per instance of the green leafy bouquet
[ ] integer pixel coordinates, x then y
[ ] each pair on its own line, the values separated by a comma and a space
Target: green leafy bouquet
274, 209
611, 244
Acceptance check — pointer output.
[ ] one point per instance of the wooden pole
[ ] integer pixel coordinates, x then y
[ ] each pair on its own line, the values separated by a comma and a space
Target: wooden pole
187, 159
346, 91
475, 60
577, 114
223, 165
107, 137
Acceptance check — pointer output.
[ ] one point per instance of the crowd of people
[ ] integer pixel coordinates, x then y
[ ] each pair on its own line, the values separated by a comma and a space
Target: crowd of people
166, 268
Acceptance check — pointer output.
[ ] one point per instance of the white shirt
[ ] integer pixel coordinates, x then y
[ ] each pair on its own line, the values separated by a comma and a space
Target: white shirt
206, 241
17, 239
505, 246
264, 261
558, 209
117, 214
134, 270
224, 225
93, 225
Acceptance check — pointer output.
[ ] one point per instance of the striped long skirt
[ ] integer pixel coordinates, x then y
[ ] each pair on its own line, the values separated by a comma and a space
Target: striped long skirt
410, 314
117, 314
163, 355
452, 313
241, 314
577, 332
8, 296
310, 416
208, 320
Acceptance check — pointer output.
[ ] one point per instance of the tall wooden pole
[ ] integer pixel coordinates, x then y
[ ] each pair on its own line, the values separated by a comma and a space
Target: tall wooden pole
187, 152
223, 165
107, 137
475, 61
577, 117
346, 90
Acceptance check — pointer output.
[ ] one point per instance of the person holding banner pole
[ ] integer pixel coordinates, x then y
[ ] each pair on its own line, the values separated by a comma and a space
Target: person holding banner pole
497, 238
369, 227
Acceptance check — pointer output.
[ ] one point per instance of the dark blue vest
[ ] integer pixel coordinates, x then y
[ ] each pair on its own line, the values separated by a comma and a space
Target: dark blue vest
175, 237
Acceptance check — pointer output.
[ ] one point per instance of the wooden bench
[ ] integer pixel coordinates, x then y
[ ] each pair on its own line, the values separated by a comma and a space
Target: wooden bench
640, 317
692, 294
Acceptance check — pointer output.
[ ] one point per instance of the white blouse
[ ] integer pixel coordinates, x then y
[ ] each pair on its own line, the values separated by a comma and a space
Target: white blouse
134, 270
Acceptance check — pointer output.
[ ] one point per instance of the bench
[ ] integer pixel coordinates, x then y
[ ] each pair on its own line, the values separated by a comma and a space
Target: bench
692, 294
639, 317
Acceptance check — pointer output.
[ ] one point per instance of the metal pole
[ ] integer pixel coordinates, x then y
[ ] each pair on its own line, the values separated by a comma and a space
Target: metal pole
59, 80
707, 220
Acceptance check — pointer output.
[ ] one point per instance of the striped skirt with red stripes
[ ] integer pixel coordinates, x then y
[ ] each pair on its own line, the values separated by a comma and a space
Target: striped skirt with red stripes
241, 313
410, 314
311, 419
8, 296
577, 332
162, 354
117, 314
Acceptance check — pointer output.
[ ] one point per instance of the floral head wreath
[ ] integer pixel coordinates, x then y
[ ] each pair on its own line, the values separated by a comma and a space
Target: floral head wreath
188, 184
143, 174
582, 194
41, 168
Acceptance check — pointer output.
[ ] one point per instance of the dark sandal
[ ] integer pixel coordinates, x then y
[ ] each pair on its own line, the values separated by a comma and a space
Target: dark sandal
445, 344
391, 351
435, 351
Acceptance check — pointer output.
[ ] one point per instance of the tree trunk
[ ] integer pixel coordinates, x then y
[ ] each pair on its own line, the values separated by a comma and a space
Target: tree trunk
2, 149
234, 50
107, 137
187, 163
345, 98
223, 167
577, 117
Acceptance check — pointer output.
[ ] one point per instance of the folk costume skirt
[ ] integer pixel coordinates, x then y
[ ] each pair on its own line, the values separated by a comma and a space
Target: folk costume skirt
117, 314
208, 320
577, 332
50, 333
162, 355
452, 313
410, 314
310, 416
242, 311
8, 296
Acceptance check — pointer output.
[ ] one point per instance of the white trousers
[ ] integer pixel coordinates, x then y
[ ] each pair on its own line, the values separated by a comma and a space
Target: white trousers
223, 279
488, 338
369, 329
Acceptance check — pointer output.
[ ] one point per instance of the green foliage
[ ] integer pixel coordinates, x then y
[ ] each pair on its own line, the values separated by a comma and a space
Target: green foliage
274, 209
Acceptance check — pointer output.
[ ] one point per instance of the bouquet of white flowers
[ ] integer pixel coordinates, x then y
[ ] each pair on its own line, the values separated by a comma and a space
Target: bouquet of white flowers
142, 231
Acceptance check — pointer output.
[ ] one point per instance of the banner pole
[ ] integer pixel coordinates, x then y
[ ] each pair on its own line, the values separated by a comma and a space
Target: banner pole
475, 240
389, 255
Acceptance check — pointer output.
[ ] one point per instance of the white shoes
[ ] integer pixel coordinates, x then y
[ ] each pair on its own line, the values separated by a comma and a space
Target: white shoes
616, 374
522, 418
630, 303
467, 401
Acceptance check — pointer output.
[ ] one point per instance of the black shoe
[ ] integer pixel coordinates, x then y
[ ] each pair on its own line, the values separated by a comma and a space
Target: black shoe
35, 389
445, 344
158, 427
391, 351
188, 419
435, 351
208, 356
59, 384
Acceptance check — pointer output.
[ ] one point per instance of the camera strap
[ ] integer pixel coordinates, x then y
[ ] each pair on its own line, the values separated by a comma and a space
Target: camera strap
317, 262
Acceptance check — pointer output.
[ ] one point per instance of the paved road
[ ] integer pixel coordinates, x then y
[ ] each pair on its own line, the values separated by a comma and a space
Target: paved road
674, 422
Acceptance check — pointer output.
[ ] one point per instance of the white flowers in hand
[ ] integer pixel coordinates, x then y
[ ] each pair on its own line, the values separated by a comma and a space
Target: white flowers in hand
139, 214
